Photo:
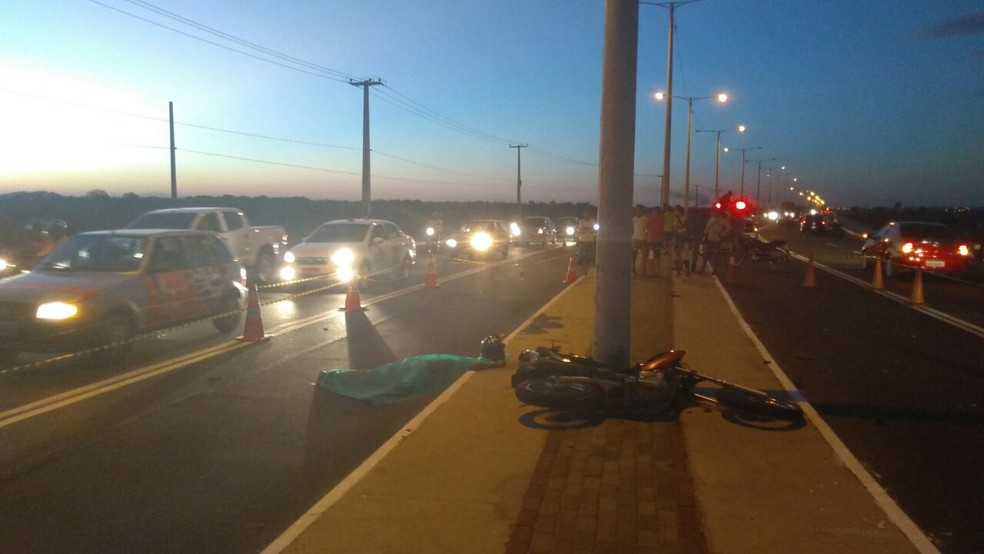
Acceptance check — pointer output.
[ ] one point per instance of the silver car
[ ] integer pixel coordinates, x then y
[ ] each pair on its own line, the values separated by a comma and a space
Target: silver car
345, 249
105, 287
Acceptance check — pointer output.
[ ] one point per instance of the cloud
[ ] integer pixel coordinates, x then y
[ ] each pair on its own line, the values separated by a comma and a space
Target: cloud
966, 25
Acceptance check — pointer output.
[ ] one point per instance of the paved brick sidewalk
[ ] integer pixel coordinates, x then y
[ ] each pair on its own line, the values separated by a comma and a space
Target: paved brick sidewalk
618, 486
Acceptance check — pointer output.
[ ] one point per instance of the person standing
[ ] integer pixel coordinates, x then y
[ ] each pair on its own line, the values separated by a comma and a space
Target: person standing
717, 231
654, 236
638, 238
681, 242
586, 237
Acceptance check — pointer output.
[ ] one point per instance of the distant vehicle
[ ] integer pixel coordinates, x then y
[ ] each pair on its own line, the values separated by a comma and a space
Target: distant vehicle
567, 229
536, 230
104, 287
20, 252
480, 238
257, 248
346, 249
819, 224
909, 245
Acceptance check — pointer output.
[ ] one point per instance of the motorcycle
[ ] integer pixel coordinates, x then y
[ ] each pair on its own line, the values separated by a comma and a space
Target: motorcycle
754, 248
660, 385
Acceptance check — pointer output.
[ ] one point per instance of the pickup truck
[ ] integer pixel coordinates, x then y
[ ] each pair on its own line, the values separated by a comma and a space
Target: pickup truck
257, 248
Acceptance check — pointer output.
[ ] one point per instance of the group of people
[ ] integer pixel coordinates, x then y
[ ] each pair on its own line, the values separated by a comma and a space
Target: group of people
658, 228
672, 229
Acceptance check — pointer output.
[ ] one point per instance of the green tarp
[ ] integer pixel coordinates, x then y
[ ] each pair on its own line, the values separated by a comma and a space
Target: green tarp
396, 381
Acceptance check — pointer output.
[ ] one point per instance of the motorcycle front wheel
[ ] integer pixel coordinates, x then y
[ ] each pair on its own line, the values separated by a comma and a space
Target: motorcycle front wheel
560, 394
763, 406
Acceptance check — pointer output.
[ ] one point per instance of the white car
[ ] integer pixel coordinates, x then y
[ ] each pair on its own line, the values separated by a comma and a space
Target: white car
346, 249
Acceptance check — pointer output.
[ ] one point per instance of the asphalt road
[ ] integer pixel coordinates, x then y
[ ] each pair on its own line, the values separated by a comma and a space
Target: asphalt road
222, 454
903, 389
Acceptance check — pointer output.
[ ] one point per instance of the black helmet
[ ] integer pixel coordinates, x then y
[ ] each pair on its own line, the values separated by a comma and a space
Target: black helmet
493, 349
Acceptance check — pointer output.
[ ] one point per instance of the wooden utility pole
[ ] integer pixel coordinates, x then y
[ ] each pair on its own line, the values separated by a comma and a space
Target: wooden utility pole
174, 172
366, 196
519, 178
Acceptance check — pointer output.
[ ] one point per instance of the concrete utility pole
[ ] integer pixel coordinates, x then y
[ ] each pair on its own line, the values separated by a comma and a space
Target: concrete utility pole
613, 313
366, 202
664, 197
174, 174
519, 177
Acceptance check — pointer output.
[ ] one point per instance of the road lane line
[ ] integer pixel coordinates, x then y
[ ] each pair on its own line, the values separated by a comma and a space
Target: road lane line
892, 510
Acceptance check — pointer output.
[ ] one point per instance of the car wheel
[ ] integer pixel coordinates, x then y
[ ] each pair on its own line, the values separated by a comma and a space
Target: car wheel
115, 337
403, 272
231, 310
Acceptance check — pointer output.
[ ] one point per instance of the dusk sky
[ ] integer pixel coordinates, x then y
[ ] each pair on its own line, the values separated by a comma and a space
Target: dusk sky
867, 102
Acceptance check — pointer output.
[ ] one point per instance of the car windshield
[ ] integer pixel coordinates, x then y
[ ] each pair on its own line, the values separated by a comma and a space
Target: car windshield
925, 231
163, 220
339, 232
96, 253
534, 222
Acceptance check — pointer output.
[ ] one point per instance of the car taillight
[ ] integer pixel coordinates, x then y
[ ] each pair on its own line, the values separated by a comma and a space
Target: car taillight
963, 250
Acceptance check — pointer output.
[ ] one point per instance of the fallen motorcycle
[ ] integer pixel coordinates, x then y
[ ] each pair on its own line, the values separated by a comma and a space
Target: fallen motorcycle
772, 252
658, 386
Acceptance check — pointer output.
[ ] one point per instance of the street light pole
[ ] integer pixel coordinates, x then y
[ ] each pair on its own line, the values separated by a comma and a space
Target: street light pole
758, 182
743, 150
717, 162
722, 98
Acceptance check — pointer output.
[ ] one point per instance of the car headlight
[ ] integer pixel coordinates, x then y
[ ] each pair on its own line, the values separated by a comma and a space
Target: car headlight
452, 243
343, 257
481, 241
4, 264
289, 257
56, 311
429, 231
288, 273
570, 230
963, 250
514, 229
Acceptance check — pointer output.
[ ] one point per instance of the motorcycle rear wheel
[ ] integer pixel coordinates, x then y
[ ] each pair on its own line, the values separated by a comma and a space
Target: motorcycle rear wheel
764, 406
560, 394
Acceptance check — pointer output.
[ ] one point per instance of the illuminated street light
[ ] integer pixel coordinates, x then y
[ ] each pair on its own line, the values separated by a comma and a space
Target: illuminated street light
721, 98
717, 163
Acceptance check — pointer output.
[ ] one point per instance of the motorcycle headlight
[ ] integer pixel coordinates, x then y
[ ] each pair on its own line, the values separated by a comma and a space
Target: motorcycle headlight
288, 273
429, 231
56, 311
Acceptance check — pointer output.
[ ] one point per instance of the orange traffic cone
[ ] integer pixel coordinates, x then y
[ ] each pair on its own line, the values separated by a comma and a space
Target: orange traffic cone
917, 289
352, 301
253, 328
810, 279
651, 269
571, 272
877, 282
430, 279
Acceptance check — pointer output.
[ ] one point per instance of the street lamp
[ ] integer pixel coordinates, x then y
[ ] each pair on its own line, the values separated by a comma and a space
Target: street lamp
721, 98
717, 163
743, 150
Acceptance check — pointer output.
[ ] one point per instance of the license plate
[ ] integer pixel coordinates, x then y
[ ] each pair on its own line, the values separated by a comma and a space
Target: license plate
935, 263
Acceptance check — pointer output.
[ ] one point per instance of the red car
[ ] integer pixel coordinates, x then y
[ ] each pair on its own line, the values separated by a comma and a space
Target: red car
916, 244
